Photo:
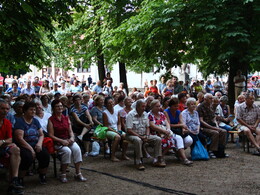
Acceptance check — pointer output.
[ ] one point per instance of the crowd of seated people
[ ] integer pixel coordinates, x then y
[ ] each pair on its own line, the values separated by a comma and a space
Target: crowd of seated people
168, 118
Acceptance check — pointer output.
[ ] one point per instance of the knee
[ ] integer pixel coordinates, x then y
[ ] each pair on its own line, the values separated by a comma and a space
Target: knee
117, 138
15, 151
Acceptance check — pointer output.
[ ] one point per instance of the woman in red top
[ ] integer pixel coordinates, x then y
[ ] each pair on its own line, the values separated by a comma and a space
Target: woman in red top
182, 101
59, 128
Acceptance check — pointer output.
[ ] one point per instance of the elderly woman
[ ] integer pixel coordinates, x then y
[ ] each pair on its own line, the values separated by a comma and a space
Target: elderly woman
45, 103
29, 137
160, 126
59, 128
111, 120
97, 111
18, 108
128, 103
42, 116
190, 118
173, 115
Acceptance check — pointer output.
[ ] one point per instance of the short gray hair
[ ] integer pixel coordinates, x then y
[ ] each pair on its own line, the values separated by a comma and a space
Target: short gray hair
190, 100
139, 102
207, 95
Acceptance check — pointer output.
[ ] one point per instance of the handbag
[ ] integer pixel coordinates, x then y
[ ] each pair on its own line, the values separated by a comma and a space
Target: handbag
100, 132
48, 143
199, 152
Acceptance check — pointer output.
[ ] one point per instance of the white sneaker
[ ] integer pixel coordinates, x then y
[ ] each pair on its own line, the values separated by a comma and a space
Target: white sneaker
108, 151
80, 137
86, 154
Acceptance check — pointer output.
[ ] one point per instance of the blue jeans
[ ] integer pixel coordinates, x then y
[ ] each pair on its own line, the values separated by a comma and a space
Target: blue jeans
227, 128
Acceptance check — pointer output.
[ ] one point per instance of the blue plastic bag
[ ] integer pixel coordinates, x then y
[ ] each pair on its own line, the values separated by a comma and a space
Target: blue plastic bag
199, 152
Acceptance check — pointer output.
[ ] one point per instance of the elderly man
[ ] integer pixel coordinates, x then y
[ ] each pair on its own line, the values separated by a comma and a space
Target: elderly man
138, 132
28, 89
211, 129
248, 115
9, 152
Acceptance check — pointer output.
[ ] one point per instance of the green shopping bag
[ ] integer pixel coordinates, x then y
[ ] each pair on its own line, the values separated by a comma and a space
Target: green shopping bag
100, 132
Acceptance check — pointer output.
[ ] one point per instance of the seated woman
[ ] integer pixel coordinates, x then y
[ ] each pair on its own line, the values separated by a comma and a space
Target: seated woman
173, 115
190, 118
111, 120
45, 103
159, 125
29, 137
42, 116
122, 113
82, 122
59, 128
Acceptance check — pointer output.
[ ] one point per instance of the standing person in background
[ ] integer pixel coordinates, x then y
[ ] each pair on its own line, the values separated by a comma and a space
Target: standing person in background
162, 85
209, 87
108, 88
89, 80
28, 89
218, 86
108, 78
36, 87
239, 81
98, 88
154, 88
75, 87
45, 88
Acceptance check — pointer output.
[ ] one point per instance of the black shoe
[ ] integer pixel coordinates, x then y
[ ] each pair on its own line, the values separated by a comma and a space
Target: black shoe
17, 183
14, 191
42, 179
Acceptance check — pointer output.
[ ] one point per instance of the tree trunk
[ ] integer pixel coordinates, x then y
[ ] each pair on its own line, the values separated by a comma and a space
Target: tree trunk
101, 66
235, 65
122, 73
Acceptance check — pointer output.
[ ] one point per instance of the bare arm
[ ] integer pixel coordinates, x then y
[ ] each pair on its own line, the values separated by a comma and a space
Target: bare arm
79, 121
18, 134
89, 117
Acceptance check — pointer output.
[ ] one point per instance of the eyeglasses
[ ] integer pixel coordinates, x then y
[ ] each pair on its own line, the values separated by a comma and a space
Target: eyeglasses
58, 106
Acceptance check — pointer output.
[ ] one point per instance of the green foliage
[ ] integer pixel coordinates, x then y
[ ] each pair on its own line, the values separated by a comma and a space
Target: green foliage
25, 26
169, 33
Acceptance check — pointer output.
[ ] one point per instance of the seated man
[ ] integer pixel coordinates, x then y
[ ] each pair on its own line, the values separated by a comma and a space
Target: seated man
248, 115
211, 129
9, 152
138, 132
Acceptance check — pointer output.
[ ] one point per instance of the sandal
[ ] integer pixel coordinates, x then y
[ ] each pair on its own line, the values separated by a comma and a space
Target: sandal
187, 162
63, 178
80, 177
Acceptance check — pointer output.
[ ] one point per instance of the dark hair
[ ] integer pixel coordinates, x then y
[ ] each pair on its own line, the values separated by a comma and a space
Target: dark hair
54, 103
28, 105
44, 97
106, 100
173, 101
181, 95
76, 96
121, 98
165, 99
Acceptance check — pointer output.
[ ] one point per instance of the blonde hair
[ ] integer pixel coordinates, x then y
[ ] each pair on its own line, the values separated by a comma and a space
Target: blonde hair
154, 102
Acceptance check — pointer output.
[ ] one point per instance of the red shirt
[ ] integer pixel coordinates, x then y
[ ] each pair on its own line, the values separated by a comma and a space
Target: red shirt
1, 80
181, 106
154, 89
6, 130
61, 127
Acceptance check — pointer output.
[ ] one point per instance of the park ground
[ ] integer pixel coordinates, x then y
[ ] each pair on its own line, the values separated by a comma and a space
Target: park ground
238, 174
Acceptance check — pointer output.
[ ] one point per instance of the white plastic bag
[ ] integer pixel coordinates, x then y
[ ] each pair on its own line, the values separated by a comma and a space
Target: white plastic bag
95, 149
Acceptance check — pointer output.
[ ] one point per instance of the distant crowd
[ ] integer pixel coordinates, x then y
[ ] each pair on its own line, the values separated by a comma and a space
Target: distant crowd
169, 117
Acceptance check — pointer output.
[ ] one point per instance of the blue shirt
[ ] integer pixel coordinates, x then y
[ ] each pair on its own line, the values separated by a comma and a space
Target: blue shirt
173, 120
31, 131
